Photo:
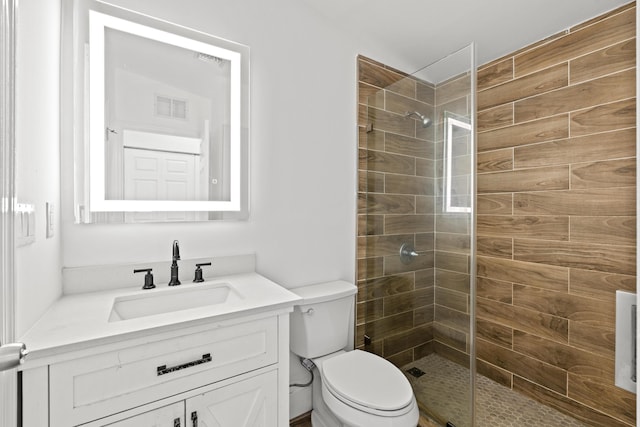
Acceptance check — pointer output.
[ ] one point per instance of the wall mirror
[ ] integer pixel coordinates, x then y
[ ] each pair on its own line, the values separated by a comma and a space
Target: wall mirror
457, 183
160, 119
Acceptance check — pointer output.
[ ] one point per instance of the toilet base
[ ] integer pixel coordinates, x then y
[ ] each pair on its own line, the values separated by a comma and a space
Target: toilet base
318, 421
321, 415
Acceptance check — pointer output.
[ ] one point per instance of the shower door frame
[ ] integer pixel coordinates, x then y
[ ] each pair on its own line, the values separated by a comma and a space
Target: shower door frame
367, 123
637, 203
473, 225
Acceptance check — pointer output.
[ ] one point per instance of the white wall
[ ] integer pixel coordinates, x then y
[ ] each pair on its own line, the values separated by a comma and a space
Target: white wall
303, 150
37, 154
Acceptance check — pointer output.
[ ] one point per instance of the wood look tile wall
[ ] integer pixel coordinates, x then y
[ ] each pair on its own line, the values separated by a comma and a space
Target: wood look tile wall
452, 316
411, 310
395, 302
556, 216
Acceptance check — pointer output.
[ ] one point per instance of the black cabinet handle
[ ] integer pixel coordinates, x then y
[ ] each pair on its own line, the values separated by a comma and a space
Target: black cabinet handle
194, 419
161, 370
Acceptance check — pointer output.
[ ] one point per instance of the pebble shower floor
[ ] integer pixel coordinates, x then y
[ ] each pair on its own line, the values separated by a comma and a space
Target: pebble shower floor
444, 390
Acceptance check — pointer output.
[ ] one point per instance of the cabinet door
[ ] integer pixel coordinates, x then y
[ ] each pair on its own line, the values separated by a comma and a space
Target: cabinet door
248, 403
167, 416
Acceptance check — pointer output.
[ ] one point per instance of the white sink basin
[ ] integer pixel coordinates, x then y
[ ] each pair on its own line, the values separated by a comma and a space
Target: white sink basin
167, 300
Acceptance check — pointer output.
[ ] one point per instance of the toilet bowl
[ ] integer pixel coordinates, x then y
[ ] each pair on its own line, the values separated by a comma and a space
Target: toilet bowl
351, 388
362, 389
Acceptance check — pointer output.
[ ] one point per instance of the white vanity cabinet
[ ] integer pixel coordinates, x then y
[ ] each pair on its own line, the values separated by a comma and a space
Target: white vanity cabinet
221, 373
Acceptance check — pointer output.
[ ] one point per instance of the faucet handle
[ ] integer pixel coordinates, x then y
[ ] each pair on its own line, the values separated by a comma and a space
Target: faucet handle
198, 273
175, 252
148, 278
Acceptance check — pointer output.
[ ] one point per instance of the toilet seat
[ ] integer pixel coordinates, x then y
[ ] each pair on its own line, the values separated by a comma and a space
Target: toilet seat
368, 383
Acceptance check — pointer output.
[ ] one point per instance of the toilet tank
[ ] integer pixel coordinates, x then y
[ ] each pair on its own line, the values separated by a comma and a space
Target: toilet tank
319, 325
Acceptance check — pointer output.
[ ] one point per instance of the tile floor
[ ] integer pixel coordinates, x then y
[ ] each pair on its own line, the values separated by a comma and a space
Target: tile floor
444, 390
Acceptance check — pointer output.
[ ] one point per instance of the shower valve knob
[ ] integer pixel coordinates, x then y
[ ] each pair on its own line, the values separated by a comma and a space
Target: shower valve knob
407, 253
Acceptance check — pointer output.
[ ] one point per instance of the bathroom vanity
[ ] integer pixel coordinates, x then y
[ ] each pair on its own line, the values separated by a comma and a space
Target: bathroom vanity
127, 357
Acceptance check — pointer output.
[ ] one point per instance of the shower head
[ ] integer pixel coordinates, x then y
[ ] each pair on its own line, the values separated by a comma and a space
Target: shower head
426, 121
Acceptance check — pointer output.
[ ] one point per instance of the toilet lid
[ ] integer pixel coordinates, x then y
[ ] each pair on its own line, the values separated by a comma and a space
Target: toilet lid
367, 380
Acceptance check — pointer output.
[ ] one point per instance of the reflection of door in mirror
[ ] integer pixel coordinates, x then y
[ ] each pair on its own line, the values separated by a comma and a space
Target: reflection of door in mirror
169, 91
159, 175
163, 167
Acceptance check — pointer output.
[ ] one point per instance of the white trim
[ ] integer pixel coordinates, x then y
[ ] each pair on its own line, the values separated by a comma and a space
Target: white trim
7, 174
8, 381
161, 142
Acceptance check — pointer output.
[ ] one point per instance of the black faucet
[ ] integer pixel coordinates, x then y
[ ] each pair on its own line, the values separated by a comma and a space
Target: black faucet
174, 264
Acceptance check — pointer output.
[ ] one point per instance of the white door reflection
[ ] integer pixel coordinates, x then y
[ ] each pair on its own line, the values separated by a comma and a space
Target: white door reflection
163, 167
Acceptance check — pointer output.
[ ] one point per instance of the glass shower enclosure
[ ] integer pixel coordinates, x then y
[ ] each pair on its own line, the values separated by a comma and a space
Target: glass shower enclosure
416, 228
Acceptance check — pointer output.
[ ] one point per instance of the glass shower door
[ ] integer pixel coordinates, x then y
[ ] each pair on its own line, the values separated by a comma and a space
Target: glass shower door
415, 229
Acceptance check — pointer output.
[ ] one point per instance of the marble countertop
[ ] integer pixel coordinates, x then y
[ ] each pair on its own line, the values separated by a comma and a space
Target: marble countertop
80, 321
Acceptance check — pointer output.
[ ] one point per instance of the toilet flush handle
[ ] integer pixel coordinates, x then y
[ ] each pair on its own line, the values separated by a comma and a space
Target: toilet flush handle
309, 311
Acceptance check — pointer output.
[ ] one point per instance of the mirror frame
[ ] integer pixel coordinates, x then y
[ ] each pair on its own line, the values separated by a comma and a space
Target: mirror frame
451, 120
98, 23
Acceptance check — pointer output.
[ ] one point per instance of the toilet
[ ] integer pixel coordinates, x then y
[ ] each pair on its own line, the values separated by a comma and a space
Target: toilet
350, 388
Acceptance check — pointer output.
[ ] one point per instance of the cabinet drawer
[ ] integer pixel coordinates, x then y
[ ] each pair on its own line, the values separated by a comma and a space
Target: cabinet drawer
92, 387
